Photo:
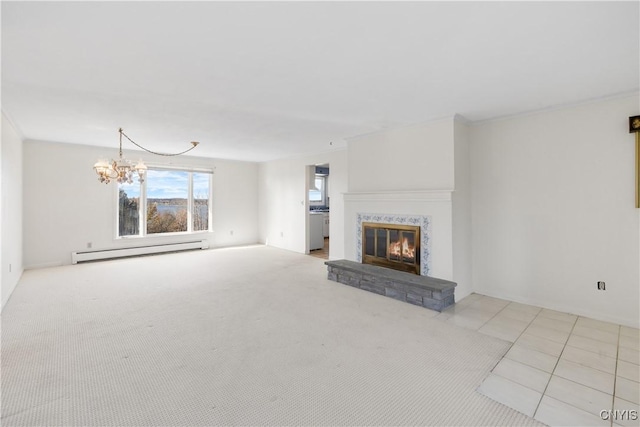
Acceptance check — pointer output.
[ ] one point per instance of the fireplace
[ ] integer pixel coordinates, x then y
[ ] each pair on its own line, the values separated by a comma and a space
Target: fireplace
391, 245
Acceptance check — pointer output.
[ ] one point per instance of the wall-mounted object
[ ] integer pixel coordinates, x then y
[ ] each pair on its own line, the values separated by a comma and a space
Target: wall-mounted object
322, 170
634, 127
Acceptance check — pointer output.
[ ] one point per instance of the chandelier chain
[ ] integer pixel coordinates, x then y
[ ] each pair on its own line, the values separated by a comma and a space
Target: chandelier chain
194, 144
122, 170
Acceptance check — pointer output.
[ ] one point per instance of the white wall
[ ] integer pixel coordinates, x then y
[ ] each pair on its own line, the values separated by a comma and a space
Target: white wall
11, 225
461, 210
553, 210
65, 206
406, 171
283, 198
4, 294
417, 157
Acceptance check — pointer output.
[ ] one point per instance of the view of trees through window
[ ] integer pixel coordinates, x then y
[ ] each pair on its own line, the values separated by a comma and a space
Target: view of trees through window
167, 203
129, 209
201, 201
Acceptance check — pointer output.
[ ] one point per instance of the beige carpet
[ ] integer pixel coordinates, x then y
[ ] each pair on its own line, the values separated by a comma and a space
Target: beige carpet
233, 337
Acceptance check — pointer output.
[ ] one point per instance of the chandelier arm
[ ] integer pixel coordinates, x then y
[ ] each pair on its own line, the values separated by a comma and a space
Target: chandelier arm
194, 144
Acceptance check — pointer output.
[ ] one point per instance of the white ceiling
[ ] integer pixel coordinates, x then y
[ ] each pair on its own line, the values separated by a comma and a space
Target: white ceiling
258, 81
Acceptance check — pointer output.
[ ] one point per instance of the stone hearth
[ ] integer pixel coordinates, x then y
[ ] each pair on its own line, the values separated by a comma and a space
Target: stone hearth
429, 292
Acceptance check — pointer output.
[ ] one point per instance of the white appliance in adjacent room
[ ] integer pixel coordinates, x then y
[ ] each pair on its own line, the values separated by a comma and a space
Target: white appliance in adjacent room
325, 224
316, 236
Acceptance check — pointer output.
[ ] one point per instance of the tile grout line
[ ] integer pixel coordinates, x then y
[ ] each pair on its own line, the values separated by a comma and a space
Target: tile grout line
493, 317
592, 352
555, 366
514, 342
615, 377
468, 306
515, 382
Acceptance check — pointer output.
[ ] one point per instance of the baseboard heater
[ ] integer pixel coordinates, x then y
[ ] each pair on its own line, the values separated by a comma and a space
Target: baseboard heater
77, 257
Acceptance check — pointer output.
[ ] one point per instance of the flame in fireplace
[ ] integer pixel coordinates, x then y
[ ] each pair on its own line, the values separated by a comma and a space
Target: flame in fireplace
402, 249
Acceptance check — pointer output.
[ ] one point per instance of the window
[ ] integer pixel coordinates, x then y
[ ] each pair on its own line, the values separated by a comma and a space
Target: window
128, 209
201, 191
317, 195
168, 201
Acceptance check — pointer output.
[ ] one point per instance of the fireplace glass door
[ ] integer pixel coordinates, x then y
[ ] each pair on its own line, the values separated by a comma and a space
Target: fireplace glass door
392, 246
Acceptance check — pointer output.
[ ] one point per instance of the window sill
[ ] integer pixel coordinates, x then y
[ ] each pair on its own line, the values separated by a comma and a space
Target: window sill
159, 235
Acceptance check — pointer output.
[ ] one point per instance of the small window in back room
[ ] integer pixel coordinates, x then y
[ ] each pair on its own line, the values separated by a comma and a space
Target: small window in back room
317, 195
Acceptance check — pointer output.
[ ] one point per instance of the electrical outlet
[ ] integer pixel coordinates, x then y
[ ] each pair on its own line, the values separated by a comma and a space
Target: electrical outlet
89, 245
601, 286
231, 232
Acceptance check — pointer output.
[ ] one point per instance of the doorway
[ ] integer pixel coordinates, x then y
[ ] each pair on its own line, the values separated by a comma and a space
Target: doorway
319, 202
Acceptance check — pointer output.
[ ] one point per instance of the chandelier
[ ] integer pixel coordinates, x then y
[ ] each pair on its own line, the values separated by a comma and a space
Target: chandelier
123, 170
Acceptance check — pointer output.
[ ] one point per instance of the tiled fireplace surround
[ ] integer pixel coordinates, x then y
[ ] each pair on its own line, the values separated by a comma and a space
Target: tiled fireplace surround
424, 222
431, 210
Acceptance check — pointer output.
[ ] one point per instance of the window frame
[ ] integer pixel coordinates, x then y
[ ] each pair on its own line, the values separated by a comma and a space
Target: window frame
142, 208
323, 192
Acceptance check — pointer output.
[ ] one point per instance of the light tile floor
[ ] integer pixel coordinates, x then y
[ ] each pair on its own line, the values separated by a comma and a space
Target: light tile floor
562, 369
